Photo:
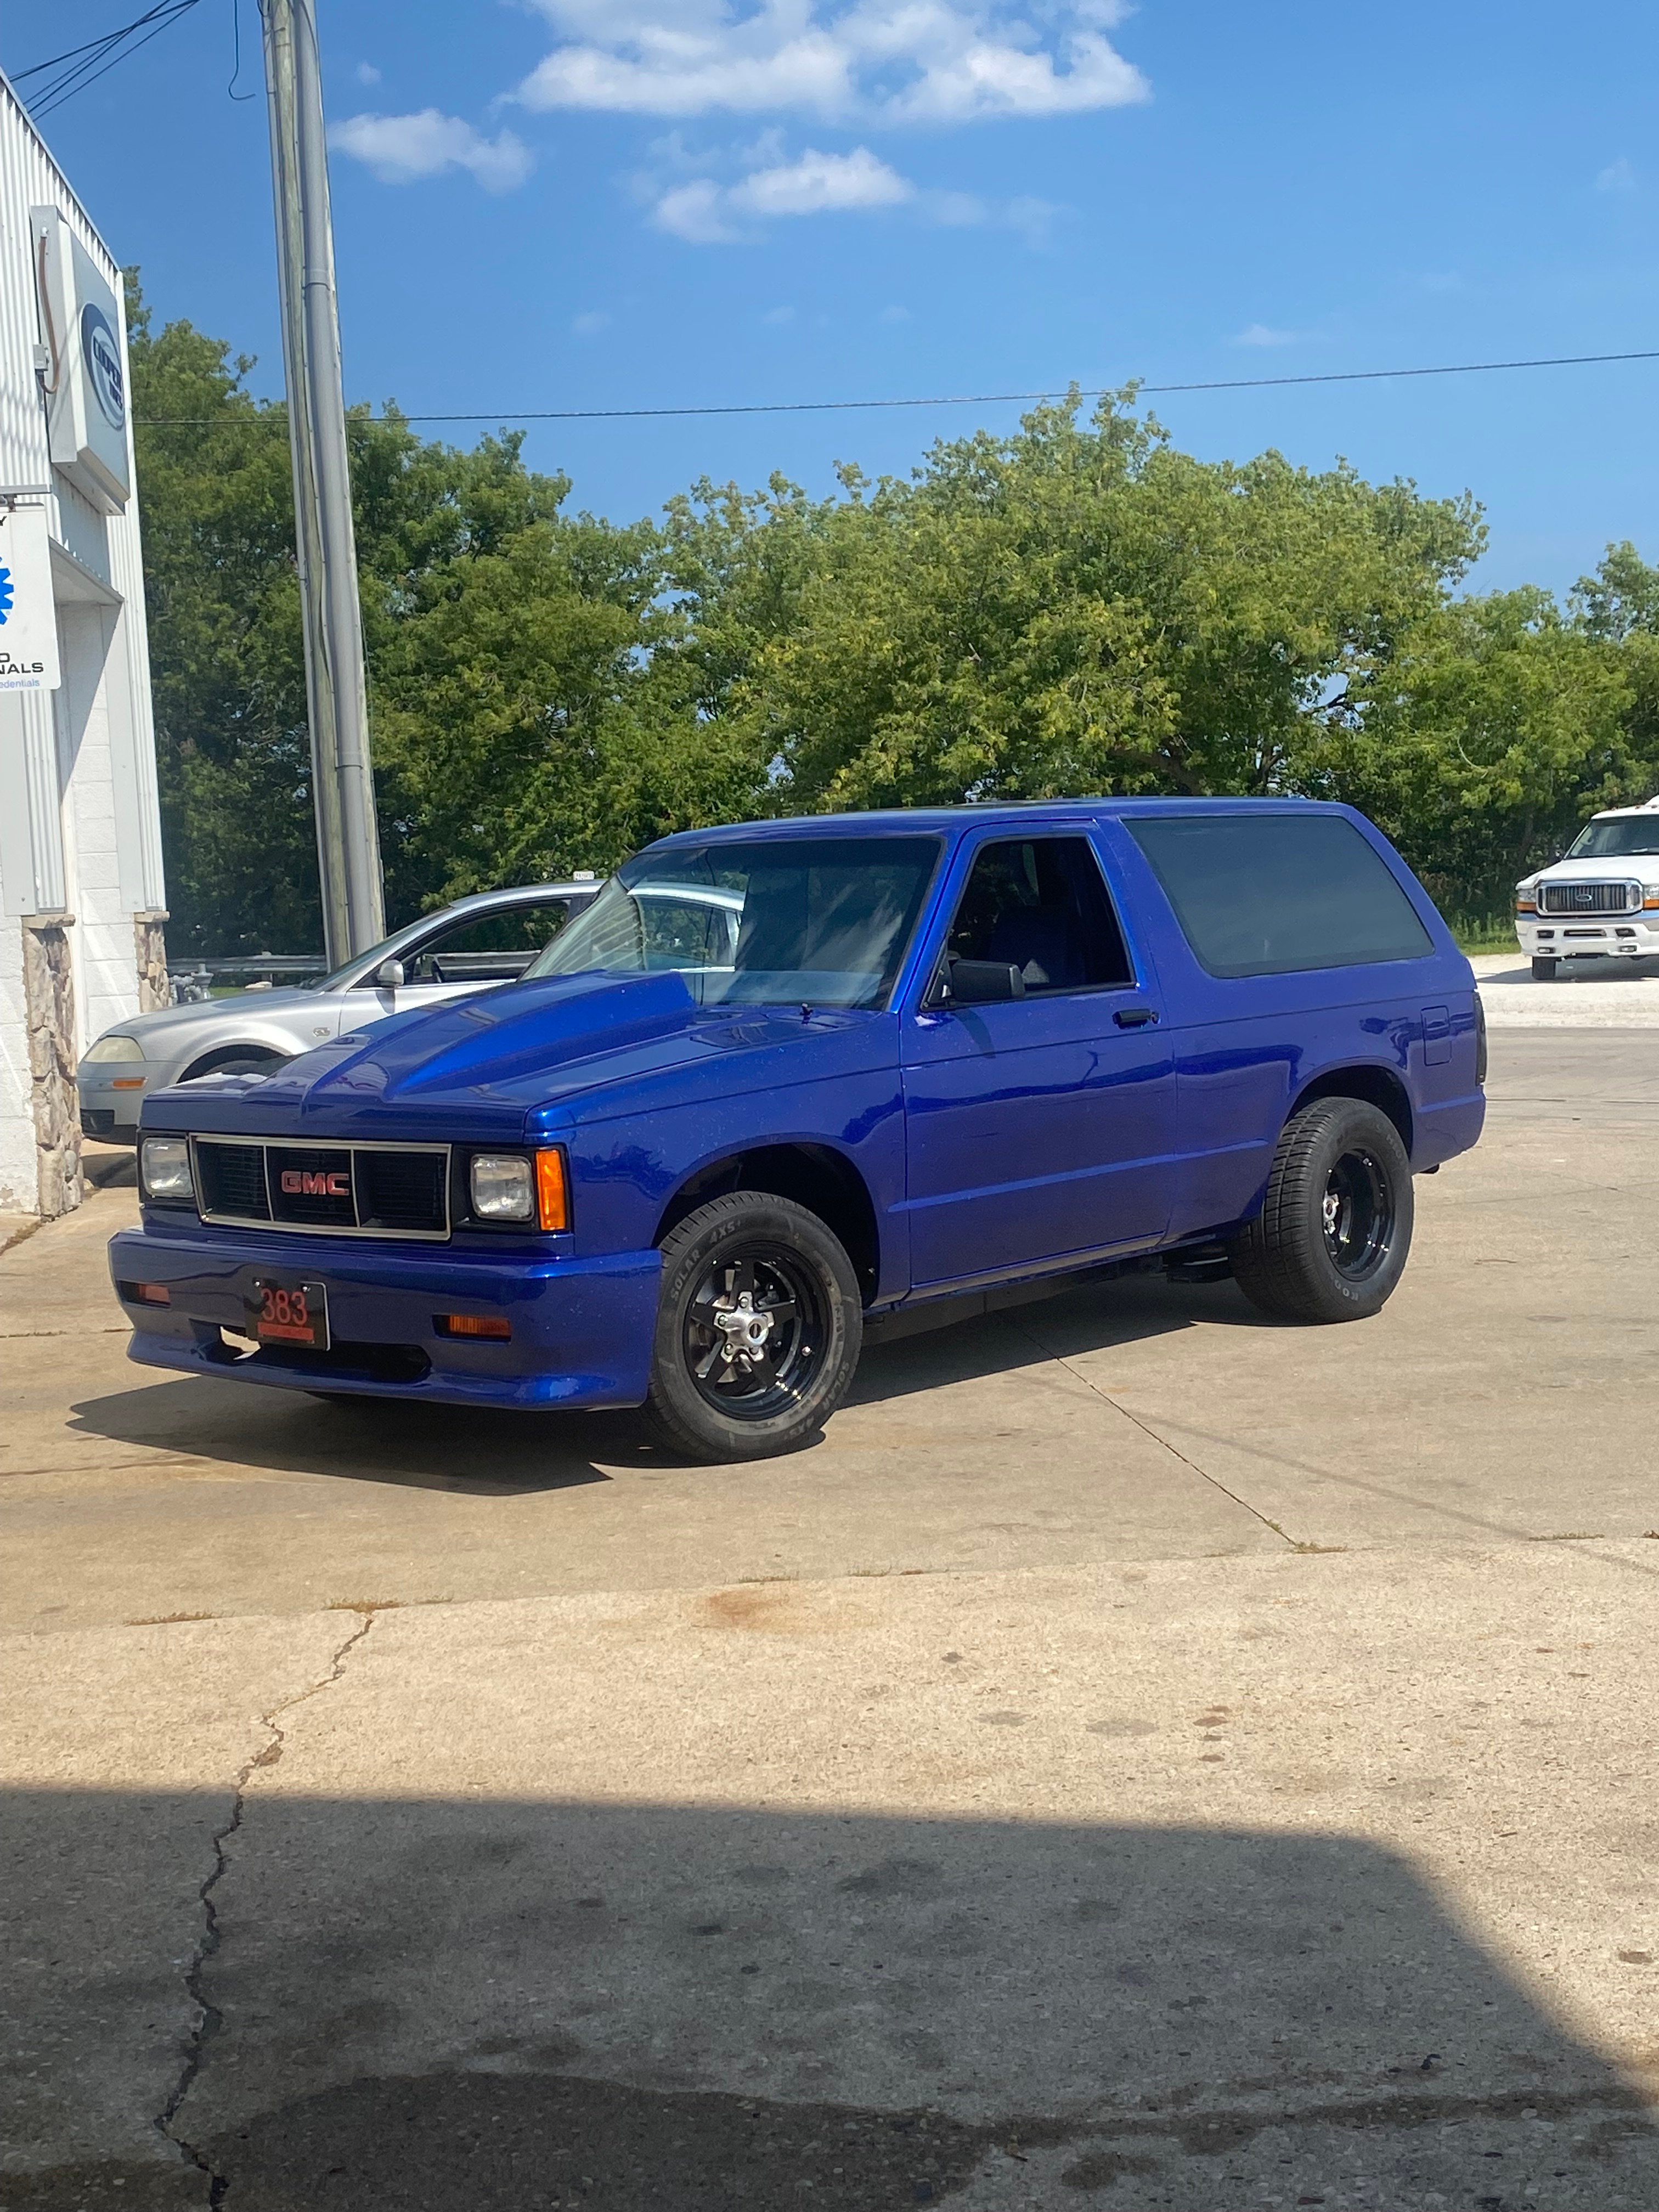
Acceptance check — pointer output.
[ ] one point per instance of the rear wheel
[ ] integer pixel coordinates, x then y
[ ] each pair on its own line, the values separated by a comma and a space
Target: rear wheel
758, 1330
1331, 1240
1543, 968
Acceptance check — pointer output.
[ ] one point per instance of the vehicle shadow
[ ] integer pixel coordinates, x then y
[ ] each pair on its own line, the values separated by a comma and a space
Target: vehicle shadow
1092, 1317
510, 1455
653, 2007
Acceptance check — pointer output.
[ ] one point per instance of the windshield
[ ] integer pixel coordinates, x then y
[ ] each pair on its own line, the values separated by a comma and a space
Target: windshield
1618, 840
364, 963
771, 921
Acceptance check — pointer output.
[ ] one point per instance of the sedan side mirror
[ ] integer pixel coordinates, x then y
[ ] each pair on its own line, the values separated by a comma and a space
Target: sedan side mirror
389, 975
981, 983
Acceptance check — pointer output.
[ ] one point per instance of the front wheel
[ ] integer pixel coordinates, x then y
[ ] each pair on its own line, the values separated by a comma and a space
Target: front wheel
758, 1330
1331, 1240
1543, 970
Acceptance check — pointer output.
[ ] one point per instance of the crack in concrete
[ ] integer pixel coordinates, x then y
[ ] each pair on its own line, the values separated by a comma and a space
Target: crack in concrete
1146, 1430
209, 2019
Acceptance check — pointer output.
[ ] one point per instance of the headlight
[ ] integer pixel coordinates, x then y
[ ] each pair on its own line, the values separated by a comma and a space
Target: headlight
165, 1168
113, 1048
503, 1187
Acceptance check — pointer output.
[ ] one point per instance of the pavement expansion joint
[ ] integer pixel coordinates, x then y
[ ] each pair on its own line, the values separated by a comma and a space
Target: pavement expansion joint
1175, 1450
209, 2019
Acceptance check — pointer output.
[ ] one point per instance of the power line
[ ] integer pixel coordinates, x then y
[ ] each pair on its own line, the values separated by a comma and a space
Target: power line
946, 399
81, 66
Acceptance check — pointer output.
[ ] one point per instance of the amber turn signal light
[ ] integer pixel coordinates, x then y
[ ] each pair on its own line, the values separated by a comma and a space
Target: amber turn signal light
147, 1294
552, 1189
494, 1325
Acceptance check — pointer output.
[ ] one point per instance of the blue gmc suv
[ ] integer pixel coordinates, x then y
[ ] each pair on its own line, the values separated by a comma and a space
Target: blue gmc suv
787, 1084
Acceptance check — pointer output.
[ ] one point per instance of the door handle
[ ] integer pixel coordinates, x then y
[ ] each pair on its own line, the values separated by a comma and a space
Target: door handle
1135, 1018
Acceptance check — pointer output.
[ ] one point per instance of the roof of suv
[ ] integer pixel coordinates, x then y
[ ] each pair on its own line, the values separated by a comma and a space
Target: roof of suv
924, 820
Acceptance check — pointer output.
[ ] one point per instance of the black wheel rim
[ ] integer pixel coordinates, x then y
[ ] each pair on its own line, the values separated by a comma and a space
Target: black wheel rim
1358, 1215
755, 1332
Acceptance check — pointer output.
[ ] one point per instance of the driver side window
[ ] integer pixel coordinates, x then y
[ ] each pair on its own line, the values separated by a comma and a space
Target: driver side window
1040, 904
487, 948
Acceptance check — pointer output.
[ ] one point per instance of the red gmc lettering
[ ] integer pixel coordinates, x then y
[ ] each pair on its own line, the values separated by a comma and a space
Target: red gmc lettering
303, 1184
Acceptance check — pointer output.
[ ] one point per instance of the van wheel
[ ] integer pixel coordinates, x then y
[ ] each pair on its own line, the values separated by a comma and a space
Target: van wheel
1543, 970
1331, 1240
758, 1330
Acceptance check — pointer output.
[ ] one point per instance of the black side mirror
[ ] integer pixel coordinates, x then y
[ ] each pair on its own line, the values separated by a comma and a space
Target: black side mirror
979, 983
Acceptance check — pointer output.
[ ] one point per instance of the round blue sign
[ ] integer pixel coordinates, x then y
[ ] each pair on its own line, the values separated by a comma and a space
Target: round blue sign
105, 370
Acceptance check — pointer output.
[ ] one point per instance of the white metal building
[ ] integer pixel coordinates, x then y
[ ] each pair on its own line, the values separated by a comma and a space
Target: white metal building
81, 885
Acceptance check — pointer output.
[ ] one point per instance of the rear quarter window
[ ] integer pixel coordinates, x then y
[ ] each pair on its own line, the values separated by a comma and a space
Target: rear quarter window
1270, 894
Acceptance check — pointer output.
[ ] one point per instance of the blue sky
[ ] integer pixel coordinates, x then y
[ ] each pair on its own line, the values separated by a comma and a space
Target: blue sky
641, 202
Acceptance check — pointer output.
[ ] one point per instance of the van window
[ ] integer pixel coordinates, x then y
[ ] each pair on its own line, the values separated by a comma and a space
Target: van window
1268, 893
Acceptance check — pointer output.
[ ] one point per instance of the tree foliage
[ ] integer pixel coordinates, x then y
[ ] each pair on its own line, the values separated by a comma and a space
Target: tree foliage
1076, 608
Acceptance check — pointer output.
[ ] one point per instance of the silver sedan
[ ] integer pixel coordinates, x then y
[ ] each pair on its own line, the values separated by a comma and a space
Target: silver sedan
472, 945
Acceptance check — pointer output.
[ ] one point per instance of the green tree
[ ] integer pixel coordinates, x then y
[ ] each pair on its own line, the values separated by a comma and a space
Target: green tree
520, 724
1485, 742
1074, 608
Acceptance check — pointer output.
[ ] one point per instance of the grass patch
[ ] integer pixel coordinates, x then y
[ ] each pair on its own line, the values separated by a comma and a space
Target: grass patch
1484, 933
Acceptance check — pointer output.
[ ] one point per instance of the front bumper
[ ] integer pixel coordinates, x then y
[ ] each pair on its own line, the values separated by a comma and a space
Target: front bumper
582, 1329
1596, 937
112, 1094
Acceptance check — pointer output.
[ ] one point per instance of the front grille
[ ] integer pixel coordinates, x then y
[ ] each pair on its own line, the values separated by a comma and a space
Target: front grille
230, 1180
312, 1186
401, 1190
1589, 898
339, 1190
97, 1120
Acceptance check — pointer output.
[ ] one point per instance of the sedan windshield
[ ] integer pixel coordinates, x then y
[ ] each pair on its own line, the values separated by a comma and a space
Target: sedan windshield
770, 922
1619, 840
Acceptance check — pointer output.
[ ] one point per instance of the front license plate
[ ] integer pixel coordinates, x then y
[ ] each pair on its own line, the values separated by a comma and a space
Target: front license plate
282, 1311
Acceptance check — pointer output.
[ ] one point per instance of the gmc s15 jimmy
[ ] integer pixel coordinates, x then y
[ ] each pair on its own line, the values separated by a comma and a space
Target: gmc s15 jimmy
785, 1083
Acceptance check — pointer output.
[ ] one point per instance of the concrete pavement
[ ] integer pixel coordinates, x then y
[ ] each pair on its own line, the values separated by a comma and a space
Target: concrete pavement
1141, 1751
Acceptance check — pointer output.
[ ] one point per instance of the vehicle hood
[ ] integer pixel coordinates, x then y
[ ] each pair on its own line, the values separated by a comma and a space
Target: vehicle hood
528, 1056
154, 1030
1632, 868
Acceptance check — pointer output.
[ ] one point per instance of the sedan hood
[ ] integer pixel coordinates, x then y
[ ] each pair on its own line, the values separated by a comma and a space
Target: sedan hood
479, 1068
151, 1030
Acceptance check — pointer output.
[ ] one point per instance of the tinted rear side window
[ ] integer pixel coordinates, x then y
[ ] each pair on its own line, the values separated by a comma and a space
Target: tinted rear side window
1267, 894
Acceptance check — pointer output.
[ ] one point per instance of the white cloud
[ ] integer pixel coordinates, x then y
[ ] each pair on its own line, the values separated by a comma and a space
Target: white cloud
894, 61
1258, 334
1618, 176
589, 323
401, 149
367, 73
712, 214
778, 316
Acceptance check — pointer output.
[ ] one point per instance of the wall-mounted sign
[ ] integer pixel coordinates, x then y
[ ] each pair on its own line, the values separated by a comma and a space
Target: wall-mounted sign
86, 372
28, 619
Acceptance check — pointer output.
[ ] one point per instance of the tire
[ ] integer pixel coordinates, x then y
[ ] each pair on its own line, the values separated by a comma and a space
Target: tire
1331, 1241
1543, 968
711, 1399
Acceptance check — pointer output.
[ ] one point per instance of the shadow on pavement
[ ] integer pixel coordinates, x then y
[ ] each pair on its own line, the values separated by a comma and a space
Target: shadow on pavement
509, 1455
421, 2004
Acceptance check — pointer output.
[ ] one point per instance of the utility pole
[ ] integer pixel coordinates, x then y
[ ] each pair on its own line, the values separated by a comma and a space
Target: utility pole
343, 776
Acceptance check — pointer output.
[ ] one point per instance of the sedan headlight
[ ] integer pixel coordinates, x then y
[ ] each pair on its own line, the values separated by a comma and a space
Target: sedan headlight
502, 1187
165, 1167
113, 1048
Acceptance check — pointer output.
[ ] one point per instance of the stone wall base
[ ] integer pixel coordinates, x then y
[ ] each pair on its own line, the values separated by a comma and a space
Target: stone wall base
150, 946
49, 1000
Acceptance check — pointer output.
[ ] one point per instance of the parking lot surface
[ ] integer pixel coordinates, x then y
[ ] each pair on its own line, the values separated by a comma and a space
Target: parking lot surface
1142, 1751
